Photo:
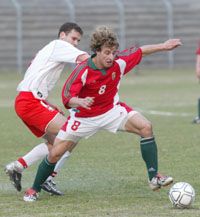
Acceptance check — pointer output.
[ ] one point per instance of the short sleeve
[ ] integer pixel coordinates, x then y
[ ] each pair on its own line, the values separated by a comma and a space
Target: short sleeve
65, 52
132, 57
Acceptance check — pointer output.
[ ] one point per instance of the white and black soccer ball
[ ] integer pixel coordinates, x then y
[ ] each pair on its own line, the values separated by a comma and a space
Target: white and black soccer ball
182, 195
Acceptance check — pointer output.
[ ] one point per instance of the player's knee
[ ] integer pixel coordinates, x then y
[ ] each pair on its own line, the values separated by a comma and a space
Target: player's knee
54, 157
147, 130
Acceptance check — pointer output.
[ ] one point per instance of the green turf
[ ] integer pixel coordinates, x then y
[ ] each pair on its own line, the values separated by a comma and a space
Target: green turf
105, 175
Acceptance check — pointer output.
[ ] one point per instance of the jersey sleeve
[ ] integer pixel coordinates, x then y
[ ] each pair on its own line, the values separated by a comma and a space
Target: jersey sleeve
132, 57
72, 86
65, 52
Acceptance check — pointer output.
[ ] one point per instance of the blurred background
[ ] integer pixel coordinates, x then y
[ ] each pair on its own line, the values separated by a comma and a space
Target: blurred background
26, 26
105, 175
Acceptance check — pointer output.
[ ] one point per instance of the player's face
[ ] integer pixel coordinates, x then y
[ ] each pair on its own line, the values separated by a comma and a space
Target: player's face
73, 37
105, 57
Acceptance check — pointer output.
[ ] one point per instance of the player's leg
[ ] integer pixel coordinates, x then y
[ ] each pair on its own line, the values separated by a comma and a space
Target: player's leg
49, 185
59, 165
15, 168
47, 166
66, 140
36, 117
197, 119
141, 126
122, 117
42, 120
52, 129
138, 124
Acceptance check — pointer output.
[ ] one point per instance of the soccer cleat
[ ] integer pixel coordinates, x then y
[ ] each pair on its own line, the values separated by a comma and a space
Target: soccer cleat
14, 171
30, 195
160, 181
50, 187
196, 120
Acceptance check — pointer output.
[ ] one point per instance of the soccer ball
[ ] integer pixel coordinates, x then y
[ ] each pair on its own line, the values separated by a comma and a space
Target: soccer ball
182, 195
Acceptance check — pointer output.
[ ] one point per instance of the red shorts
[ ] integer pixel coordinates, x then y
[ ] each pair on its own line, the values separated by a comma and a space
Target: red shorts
35, 113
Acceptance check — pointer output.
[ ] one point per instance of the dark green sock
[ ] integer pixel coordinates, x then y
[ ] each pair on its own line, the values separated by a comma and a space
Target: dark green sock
45, 169
198, 108
149, 154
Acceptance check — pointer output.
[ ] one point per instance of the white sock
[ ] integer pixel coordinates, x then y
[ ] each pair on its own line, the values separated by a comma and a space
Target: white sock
37, 153
60, 164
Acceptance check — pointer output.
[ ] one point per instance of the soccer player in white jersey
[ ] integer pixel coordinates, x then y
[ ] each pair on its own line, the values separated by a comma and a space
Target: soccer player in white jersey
91, 92
31, 105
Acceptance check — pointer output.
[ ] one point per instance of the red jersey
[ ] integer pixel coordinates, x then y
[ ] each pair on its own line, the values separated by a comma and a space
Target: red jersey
88, 81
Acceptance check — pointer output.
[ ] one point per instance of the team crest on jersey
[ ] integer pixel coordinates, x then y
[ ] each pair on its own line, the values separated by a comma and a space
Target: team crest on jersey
113, 75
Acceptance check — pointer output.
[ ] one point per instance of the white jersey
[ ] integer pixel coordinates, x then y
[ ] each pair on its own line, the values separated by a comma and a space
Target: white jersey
46, 67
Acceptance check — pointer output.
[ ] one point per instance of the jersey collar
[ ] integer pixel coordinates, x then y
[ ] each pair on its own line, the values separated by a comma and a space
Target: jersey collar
93, 66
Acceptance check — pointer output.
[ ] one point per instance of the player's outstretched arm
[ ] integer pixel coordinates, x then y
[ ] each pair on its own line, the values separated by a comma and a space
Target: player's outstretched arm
165, 46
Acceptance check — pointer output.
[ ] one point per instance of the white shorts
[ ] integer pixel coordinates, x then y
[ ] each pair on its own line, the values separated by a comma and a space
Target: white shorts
114, 120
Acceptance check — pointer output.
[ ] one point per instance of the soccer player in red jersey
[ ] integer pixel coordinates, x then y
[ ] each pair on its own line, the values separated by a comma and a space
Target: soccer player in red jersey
197, 119
91, 95
31, 105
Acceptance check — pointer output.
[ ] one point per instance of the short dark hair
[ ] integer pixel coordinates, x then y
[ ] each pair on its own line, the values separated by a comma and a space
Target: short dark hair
68, 27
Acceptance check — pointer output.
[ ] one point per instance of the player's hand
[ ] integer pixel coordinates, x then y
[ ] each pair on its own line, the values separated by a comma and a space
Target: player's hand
172, 43
86, 102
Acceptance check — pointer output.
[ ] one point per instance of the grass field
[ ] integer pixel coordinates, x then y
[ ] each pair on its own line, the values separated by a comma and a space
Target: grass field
105, 175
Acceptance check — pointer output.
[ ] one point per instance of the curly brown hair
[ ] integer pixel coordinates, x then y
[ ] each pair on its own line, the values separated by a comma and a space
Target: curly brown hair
103, 35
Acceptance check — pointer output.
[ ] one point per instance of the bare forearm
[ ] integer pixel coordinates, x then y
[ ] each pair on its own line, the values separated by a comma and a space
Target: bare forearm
166, 46
86, 102
149, 49
73, 102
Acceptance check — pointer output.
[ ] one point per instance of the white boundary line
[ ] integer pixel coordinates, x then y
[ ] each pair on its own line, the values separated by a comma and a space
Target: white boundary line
8, 103
163, 113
